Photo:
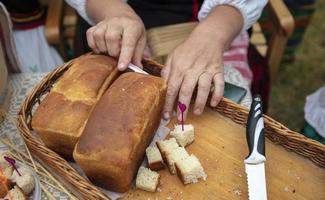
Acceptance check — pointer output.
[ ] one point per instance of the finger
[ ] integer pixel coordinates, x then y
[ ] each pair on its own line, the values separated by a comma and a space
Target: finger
138, 54
173, 86
186, 91
204, 85
113, 36
99, 37
90, 39
166, 70
130, 38
219, 85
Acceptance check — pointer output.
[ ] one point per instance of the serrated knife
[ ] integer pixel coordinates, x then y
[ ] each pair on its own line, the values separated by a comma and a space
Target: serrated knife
134, 68
254, 162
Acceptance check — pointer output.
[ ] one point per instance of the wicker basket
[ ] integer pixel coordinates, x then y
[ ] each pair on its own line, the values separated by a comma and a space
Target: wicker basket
275, 131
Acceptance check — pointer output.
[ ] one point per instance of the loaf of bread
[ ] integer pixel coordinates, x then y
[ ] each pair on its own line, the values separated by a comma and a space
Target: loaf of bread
119, 130
62, 115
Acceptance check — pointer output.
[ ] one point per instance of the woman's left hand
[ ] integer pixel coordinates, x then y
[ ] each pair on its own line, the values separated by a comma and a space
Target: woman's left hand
197, 61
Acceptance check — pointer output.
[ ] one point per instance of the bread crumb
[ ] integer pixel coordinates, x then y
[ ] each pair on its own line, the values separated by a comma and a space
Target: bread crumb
286, 189
169, 198
123, 89
159, 189
141, 83
240, 175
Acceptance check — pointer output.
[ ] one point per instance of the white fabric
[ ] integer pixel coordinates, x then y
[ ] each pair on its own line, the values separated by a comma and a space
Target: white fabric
33, 51
80, 6
315, 111
250, 9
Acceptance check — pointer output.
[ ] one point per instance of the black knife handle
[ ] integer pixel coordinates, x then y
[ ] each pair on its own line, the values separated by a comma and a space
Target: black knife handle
255, 133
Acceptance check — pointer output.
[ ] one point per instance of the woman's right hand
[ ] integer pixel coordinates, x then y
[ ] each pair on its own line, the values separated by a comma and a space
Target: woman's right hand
120, 34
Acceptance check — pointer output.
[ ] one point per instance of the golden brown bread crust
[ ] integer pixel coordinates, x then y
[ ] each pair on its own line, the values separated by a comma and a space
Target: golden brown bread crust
64, 122
119, 129
62, 115
85, 79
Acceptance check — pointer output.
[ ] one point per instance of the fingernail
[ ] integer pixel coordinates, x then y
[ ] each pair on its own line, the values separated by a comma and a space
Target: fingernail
214, 103
197, 111
166, 115
120, 66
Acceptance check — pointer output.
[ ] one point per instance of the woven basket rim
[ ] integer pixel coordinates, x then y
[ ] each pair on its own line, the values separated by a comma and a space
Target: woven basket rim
275, 131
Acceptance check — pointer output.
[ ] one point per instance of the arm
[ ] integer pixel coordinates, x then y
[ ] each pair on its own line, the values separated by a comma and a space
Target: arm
118, 31
99, 10
199, 59
250, 10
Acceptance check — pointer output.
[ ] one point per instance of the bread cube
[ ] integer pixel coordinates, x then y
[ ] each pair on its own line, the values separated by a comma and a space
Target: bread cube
155, 160
165, 146
147, 180
25, 181
16, 194
185, 137
190, 170
178, 154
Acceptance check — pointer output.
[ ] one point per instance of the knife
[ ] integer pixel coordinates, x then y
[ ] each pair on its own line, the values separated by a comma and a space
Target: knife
134, 68
254, 162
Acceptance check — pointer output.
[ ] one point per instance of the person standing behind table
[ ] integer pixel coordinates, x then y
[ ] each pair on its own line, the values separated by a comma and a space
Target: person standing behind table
33, 52
119, 30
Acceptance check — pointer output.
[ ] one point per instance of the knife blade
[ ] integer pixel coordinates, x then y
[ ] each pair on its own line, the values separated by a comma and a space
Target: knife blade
254, 162
135, 68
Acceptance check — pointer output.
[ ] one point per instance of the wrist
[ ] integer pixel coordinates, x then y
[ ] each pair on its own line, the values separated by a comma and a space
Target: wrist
210, 35
221, 25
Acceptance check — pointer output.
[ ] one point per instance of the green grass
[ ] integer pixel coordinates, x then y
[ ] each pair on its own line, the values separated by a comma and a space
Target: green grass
296, 80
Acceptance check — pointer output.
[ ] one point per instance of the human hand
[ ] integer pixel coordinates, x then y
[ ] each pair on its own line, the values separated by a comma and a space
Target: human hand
120, 35
197, 61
